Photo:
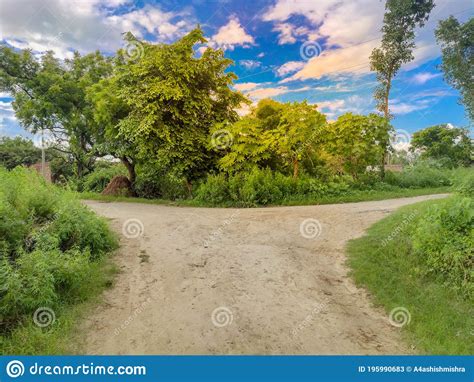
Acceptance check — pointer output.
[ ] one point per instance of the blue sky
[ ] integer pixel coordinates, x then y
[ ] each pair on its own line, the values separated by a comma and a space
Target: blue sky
289, 50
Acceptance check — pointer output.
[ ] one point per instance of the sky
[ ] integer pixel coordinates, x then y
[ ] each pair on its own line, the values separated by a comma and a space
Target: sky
288, 50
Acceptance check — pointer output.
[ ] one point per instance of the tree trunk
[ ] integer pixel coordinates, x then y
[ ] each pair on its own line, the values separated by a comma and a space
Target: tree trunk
387, 117
132, 175
295, 168
189, 186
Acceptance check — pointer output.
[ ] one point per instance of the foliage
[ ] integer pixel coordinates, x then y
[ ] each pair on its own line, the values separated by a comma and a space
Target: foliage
18, 151
156, 182
174, 99
48, 244
50, 96
275, 135
356, 141
419, 176
456, 42
398, 41
264, 186
97, 180
444, 238
465, 185
399, 273
441, 142
108, 110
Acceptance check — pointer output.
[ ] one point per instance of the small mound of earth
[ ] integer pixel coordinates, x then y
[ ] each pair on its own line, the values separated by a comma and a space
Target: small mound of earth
119, 186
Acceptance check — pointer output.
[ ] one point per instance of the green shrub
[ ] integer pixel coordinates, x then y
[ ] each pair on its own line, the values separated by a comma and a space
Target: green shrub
465, 185
444, 239
154, 182
216, 189
49, 242
263, 187
97, 180
419, 176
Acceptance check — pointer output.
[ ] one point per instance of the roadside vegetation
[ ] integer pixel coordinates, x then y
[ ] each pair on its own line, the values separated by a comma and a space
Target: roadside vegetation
52, 257
165, 117
421, 259
178, 135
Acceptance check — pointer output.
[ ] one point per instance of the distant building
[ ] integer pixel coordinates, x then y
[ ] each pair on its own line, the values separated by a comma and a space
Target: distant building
47, 170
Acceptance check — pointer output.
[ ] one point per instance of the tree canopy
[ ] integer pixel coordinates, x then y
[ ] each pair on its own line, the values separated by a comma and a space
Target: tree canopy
174, 99
457, 47
442, 142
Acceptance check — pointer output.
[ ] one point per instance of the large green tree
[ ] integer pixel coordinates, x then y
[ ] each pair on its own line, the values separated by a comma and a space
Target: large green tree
442, 142
18, 151
457, 46
297, 133
175, 97
109, 111
275, 135
355, 141
49, 96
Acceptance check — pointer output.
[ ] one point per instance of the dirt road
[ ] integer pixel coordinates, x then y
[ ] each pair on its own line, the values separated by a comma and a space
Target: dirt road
239, 281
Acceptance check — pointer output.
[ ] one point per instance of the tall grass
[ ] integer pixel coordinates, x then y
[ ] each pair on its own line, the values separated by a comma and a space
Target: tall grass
51, 253
421, 259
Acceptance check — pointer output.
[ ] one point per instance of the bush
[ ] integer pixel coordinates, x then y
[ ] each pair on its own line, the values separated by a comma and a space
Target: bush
263, 187
419, 176
444, 239
97, 180
49, 242
154, 182
465, 185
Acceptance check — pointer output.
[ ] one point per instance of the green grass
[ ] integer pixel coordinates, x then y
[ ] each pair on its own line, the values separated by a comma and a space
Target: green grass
442, 319
354, 196
64, 336
53, 257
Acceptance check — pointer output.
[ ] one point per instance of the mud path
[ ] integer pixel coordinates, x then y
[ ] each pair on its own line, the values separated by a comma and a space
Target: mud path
239, 281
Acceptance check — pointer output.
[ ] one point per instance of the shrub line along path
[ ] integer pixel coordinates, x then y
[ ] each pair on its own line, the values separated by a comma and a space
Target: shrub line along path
240, 281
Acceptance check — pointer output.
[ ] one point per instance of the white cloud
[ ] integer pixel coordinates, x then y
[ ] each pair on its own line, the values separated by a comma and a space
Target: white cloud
289, 33
6, 107
64, 26
231, 35
350, 30
257, 93
421, 78
164, 26
332, 106
352, 104
289, 67
348, 60
250, 64
245, 86
400, 107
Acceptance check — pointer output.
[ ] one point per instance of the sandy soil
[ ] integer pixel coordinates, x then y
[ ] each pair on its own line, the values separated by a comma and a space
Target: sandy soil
239, 281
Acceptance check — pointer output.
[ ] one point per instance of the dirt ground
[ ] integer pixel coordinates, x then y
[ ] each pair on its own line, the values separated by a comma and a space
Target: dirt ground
239, 281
